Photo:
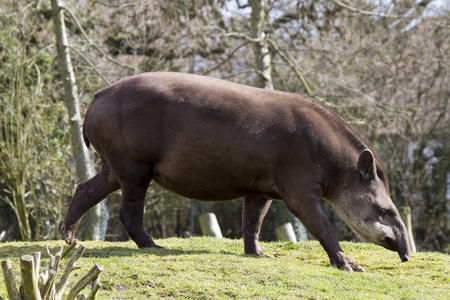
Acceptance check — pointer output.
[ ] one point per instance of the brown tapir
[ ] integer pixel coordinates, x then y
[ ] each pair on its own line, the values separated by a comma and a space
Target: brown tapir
209, 139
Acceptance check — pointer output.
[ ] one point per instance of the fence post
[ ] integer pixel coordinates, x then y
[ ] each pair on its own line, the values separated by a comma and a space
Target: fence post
286, 233
405, 214
209, 225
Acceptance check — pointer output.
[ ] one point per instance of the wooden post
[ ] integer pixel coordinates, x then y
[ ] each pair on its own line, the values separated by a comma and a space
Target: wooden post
10, 283
286, 233
209, 225
29, 279
405, 214
36, 263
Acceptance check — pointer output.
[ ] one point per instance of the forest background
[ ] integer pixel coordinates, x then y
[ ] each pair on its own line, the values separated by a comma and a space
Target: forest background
383, 65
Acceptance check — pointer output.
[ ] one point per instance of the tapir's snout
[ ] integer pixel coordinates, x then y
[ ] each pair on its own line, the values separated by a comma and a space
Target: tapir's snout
396, 239
402, 241
404, 251
399, 245
403, 248
404, 258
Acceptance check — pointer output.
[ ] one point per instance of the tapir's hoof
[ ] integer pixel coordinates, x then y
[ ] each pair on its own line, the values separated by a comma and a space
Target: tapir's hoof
67, 235
354, 267
262, 254
346, 264
259, 253
150, 245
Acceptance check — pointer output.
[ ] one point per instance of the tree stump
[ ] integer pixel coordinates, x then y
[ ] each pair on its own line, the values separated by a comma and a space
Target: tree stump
42, 286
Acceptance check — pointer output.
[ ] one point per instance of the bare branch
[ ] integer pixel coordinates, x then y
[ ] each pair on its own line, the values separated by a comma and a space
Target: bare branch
241, 35
365, 12
297, 72
228, 58
241, 6
96, 285
69, 268
93, 45
85, 280
382, 15
49, 288
89, 63
68, 249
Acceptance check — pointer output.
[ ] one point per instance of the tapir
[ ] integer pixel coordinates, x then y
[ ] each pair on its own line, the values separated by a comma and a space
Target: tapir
213, 140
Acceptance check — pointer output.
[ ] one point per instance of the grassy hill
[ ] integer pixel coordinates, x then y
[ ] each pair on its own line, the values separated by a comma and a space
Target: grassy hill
209, 268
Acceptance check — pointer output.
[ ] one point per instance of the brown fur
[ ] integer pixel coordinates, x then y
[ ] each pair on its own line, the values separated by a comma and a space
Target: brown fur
210, 139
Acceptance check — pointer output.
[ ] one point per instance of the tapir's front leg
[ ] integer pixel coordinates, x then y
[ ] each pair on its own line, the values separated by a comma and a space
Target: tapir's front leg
309, 211
87, 195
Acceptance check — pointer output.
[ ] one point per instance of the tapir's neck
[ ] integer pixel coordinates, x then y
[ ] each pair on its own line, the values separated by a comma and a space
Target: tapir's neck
342, 145
349, 137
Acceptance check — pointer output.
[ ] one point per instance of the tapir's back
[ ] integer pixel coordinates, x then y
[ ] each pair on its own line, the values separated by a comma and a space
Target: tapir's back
172, 101
163, 106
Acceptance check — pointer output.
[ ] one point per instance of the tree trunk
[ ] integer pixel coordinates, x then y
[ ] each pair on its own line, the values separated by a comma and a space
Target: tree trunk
20, 208
84, 165
263, 61
260, 48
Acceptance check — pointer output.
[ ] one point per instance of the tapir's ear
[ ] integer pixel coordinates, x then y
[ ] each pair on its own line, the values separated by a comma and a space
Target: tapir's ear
366, 164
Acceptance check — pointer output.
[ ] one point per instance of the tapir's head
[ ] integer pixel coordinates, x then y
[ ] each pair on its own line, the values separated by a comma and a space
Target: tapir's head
363, 202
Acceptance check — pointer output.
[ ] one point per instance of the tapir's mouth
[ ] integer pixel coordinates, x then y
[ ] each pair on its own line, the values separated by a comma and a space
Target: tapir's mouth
404, 258
390, 244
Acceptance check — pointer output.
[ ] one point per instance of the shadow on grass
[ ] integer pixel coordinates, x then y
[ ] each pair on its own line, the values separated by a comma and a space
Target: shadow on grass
122, 251
384, 268
12, 251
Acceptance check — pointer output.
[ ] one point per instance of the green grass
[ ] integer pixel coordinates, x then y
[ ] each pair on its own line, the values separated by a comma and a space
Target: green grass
209, 268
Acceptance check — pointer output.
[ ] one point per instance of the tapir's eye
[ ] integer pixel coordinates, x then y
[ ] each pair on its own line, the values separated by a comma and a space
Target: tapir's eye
380, 174
383, 212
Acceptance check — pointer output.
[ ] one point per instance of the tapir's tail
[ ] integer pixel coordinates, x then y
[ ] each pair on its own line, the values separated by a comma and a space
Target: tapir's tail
85, 138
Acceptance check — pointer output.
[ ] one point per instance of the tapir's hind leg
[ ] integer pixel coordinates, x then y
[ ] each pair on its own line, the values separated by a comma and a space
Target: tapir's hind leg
87, 195
134, 182
254, 211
